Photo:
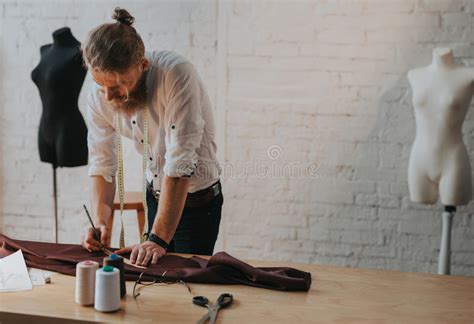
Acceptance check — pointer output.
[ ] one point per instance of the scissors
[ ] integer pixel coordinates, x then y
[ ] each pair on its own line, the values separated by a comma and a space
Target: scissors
223, 301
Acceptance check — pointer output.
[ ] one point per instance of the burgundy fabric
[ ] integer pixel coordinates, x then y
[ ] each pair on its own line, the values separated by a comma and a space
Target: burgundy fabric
220, 269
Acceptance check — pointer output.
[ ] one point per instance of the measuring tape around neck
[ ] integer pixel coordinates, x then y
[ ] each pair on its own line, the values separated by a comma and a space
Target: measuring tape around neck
121, 192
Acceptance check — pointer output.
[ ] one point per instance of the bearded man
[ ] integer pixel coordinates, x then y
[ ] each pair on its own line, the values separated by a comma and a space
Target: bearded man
158, 101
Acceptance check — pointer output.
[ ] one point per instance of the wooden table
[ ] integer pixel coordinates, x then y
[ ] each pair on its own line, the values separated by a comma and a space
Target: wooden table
341, 295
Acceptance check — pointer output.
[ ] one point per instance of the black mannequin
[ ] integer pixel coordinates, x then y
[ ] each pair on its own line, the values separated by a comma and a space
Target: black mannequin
62, 135
59, 76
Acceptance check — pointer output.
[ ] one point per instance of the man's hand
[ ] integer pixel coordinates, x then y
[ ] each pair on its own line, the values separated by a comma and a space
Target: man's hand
91, 244
143, 253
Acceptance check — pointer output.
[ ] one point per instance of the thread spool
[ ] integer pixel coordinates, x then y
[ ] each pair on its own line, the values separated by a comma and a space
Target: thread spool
85, 282
107, 289
116, 261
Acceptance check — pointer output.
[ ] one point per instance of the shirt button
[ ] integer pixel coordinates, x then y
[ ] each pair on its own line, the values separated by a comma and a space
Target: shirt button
172, 126
141, 141
156, 176
134, 122
151, 159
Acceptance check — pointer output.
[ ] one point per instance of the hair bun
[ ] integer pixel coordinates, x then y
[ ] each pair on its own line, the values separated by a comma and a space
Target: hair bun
123, 16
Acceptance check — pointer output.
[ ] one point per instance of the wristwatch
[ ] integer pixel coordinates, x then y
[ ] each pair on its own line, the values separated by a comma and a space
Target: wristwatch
158, 240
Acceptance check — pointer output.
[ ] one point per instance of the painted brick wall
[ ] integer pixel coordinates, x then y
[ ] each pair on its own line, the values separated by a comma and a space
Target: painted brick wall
314, 117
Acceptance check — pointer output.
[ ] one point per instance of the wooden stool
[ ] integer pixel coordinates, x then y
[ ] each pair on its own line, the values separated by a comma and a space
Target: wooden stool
132, 201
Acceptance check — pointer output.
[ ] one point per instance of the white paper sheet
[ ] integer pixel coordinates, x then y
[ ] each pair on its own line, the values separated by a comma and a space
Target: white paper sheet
40, 277
13, 273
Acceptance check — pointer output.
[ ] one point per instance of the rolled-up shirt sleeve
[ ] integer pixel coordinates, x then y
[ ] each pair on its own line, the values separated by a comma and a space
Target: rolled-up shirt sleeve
101, 141
184, 123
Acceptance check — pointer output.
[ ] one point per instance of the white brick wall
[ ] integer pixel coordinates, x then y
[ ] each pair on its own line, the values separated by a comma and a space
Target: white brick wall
322, 82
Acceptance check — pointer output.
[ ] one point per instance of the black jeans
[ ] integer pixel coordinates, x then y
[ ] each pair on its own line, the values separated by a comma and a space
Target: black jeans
198, 228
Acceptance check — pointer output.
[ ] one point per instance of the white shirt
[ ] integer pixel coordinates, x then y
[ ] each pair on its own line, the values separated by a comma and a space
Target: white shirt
180, 126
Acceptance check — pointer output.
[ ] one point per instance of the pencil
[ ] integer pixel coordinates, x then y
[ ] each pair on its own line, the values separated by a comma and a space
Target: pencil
96, 233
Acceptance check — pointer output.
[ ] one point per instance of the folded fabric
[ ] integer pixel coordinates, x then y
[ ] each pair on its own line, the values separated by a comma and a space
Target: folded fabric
221, 268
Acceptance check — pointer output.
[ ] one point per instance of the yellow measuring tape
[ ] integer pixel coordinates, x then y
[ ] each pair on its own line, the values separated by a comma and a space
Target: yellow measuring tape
121, 192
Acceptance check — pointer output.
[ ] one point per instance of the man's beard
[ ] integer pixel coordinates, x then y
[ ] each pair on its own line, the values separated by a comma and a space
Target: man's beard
136, 99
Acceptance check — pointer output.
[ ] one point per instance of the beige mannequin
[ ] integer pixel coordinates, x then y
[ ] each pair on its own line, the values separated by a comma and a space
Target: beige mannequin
442, 93
439, 162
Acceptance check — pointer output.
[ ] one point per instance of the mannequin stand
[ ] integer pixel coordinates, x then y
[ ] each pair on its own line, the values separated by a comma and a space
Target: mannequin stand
55, 204
444, 263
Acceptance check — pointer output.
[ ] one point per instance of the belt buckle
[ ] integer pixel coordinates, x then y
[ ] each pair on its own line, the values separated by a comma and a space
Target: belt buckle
215, 189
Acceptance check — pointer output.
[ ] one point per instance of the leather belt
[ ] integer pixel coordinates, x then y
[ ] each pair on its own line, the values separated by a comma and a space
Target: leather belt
195, 199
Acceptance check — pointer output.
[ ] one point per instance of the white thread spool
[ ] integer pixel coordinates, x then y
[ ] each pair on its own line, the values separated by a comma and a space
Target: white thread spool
107, 289
85, 282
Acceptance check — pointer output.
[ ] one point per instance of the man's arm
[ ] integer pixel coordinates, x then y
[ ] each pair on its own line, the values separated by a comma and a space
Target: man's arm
102, 199
170, 207
173, 196
102, 144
